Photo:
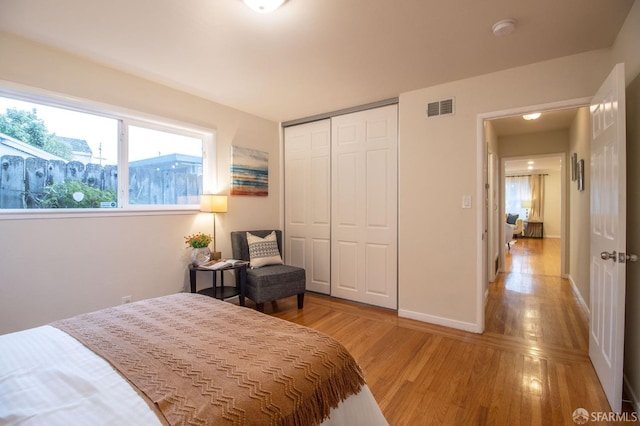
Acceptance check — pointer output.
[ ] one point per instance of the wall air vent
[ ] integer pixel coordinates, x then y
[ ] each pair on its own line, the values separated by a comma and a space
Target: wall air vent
437, 108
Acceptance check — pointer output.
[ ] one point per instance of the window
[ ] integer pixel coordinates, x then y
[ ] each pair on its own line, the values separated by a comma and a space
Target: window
517, 197
58, 155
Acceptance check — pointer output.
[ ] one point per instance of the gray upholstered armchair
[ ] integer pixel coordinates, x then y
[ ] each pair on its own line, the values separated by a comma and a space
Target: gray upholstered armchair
271, 282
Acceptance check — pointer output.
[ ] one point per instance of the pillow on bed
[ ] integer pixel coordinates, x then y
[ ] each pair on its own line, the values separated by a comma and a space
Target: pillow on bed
263, 251
511, 218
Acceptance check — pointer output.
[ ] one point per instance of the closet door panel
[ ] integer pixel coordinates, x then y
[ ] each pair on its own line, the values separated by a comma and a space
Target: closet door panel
321, 266
346, 190
378, 269
321, 194
377, 190
307, 201
345, 275
364, 206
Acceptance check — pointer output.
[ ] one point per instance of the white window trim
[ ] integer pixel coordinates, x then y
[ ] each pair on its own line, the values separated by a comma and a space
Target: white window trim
124, 116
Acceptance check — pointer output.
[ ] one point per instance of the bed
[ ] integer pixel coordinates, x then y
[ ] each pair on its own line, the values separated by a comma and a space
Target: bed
180, 359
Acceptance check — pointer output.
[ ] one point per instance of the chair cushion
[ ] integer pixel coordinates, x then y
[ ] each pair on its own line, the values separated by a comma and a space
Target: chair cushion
275, 274
263, 251
274, 282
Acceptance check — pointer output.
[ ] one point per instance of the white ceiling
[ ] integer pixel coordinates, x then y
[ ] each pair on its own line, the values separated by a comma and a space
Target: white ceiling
312, 56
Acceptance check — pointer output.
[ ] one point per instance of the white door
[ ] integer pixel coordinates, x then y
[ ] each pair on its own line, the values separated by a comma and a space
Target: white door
364, 220
608, 234
307, 175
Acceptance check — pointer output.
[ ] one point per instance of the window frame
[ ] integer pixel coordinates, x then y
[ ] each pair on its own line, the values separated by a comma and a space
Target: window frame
124, 117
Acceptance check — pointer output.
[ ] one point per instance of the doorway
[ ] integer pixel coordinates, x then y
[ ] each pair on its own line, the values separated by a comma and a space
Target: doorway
533, 197
492, 128
587, 222
529, 148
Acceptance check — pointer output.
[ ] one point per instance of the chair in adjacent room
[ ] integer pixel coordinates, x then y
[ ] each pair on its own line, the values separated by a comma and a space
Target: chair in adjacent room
268, 279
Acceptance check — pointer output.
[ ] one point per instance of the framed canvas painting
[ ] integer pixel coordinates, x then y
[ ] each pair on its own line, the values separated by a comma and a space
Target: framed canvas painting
249, 172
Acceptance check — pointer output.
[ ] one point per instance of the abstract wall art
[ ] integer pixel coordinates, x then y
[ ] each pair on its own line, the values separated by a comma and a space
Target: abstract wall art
249, 172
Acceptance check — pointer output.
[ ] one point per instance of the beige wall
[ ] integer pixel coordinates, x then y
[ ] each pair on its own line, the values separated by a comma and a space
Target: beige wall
55, 268
552, 204
531, 144
626, 48
632, 326
579, 217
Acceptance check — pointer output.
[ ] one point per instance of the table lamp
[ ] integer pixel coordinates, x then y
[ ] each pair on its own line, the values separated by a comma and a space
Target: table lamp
213, 203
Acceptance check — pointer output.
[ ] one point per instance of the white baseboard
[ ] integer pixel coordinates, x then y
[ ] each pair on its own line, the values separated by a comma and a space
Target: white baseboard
578, 295
447, 322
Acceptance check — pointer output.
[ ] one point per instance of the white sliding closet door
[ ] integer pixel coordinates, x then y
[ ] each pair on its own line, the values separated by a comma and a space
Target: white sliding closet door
364, 218
307, 174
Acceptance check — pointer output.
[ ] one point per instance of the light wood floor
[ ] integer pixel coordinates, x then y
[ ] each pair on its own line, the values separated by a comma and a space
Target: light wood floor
529, 367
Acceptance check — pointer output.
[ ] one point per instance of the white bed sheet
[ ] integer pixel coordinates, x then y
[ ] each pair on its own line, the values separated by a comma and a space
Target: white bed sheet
49, 378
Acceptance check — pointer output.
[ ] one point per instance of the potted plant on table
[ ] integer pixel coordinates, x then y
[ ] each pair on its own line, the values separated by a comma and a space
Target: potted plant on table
199, 244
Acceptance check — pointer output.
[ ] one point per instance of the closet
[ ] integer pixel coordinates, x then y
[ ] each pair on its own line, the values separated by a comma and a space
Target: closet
341, 198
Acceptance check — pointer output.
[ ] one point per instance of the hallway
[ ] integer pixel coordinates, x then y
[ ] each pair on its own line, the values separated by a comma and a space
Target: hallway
531, 304
530, 301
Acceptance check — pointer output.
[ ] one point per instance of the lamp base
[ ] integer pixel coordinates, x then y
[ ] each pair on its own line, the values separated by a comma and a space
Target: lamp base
216, 255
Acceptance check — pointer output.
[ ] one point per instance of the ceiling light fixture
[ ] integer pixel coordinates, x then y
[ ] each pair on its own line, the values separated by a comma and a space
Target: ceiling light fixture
504, 27
264, 6
533, 116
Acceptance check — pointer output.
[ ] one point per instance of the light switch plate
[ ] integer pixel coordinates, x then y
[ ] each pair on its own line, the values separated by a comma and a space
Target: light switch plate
466, 201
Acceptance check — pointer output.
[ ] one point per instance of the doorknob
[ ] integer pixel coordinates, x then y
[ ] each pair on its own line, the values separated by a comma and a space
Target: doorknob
606, 256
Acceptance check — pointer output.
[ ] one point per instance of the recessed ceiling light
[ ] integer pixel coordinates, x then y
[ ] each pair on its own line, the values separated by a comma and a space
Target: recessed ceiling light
504, 27
264, 6
533, 116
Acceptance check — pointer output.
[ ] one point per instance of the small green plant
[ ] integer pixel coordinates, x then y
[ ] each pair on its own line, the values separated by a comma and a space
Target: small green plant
198, 240
74, 195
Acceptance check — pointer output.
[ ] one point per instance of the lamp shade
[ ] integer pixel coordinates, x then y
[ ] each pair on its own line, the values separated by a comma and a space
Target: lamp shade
526, 204
212, 203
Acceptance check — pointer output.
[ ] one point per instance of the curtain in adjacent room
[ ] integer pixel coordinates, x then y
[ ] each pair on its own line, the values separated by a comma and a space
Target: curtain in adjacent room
537, 198
517, 190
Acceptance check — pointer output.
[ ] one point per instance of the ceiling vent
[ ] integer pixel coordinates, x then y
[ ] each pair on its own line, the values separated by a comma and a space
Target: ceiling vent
438, 108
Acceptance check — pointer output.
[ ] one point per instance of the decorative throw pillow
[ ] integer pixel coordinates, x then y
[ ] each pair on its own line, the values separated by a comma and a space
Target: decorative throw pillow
511, 218
263, 251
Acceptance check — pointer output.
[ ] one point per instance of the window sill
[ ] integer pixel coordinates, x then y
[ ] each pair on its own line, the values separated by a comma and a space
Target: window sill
90, 213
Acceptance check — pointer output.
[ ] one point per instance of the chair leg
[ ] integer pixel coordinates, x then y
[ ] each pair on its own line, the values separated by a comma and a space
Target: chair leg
300, 300
260, 307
